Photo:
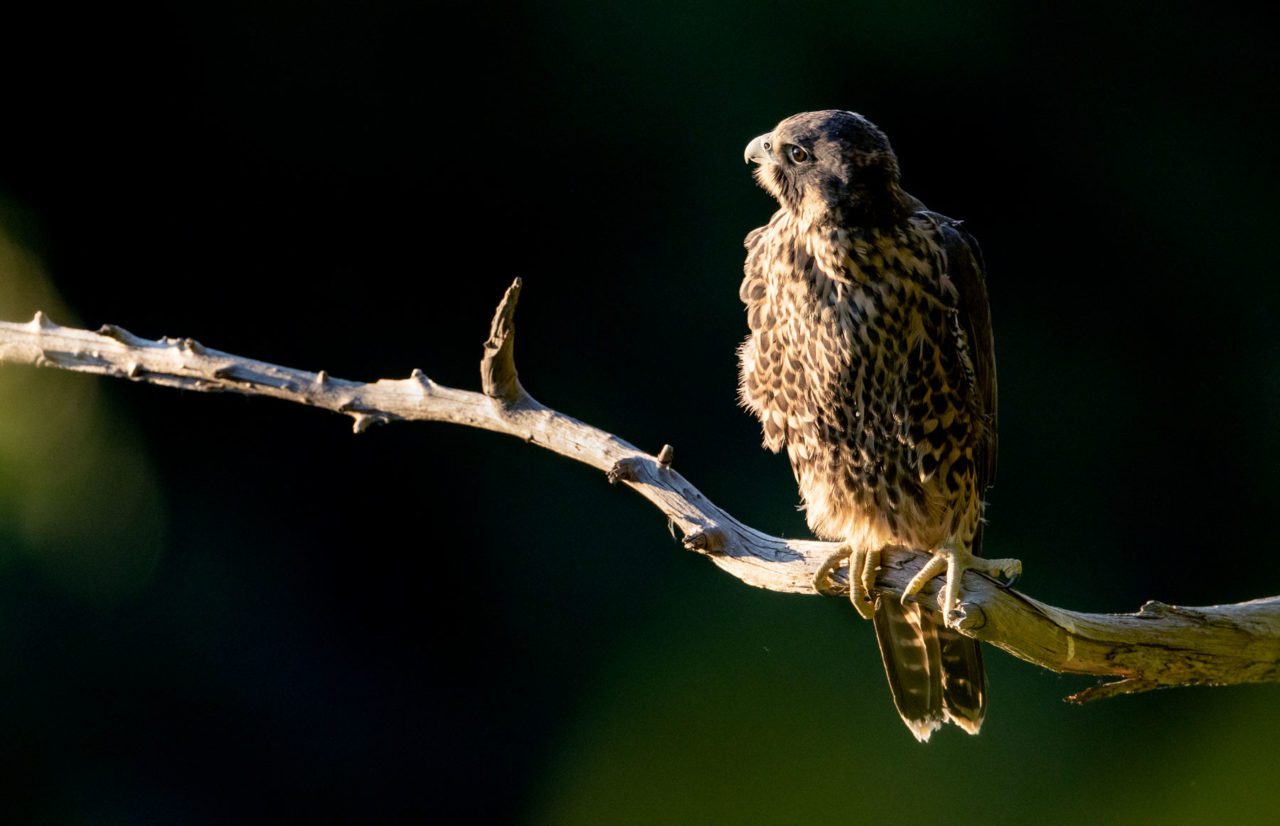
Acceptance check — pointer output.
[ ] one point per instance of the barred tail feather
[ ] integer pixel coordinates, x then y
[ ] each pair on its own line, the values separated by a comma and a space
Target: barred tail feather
912, 663
935, 674
964, 680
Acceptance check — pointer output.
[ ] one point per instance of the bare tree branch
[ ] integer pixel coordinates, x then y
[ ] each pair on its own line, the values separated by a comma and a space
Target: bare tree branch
1159, 646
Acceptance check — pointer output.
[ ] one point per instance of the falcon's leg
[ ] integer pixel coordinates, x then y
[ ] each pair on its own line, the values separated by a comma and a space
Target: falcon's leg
862, 576
956, 561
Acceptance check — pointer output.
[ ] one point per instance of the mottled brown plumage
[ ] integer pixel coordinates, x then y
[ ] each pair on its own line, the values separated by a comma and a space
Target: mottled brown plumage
870, 361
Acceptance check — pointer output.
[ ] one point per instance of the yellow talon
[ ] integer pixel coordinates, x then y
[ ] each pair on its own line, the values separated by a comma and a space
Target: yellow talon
956, 561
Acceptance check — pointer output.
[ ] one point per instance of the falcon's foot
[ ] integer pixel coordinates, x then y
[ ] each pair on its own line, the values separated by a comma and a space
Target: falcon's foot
862, 576
955, 561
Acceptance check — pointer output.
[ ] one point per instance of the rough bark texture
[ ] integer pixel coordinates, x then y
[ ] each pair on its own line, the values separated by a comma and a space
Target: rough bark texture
1159, 646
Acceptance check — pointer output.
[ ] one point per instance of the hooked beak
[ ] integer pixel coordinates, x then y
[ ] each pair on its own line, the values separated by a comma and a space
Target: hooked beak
760, 150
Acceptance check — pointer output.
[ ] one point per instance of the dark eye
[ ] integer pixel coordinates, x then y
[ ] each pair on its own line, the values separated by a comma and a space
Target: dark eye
796, 154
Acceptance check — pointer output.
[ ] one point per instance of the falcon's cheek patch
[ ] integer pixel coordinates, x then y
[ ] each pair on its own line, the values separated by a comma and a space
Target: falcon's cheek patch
775, 180
765, 175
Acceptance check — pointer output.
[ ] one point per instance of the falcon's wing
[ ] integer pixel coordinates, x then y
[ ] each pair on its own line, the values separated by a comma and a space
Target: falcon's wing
964, 267
934, 673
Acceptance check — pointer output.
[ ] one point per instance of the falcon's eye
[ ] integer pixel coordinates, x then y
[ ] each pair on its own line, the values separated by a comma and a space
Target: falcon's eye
796, 154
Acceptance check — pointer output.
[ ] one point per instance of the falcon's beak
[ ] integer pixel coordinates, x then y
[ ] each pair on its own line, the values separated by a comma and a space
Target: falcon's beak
759, 150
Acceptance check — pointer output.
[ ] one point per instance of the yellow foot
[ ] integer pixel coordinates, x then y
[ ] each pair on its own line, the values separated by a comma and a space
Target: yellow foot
956, 561
862, 576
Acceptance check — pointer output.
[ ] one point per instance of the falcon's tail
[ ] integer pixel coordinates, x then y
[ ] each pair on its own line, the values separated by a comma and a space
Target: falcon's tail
935, 674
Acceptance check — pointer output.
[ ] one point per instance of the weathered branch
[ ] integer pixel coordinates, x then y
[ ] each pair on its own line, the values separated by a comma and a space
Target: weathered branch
1159, 646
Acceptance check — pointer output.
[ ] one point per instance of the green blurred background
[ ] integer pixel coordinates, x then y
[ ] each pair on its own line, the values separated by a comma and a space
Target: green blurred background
216, 609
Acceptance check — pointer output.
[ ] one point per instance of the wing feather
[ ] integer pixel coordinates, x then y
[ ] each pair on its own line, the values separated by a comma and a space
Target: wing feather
965, 269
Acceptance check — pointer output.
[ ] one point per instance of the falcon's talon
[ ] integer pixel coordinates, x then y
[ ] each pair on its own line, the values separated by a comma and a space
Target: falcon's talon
859, 594
822, 578
869, 567
1005, 572
1010, 580
957, 560
862, 577
930, 570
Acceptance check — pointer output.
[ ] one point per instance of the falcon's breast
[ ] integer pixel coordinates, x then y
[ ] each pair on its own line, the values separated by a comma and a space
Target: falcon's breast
858, 364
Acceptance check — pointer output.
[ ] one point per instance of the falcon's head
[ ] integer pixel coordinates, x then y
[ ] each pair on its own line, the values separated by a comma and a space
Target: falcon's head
820, 163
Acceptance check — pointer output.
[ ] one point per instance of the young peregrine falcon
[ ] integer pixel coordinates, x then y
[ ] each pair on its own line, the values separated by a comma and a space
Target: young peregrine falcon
870, 360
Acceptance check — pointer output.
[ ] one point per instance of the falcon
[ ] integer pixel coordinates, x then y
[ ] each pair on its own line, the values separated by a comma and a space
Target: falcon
871, 361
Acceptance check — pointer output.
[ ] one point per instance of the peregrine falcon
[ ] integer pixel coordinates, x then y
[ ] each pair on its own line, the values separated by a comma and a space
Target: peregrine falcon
870, 359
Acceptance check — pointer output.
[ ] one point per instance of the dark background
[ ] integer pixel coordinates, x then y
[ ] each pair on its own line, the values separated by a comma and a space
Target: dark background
216, 609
